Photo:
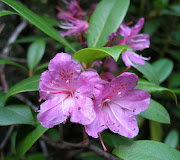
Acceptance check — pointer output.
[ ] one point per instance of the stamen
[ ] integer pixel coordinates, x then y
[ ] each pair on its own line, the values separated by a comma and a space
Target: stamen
49, 92
40, 99
104, 147
108, 100
129, 23
123, 71
67, 81
121, 40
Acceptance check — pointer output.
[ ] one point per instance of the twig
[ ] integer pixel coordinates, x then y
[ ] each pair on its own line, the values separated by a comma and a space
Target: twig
14, 59
60, 126
2, 27
44, 148
6, 138
13, 37
70, 146
25, 100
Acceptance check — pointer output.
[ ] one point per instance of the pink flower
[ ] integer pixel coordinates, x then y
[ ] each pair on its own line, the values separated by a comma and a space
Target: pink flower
73, 10
131, 59
116, 103
74, 27
132, 38
67, 92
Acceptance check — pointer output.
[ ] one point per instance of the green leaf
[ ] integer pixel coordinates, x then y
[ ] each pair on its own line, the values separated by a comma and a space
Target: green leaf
146, 150
149, 72
26, 85
114, 140
151, 26
163, 68
105, 20
37, 21
5, 61
172, 138
45, 65
5, 12
2, 97
174, 80
156, 112
156, 131
16, 114
30, 139
89, 55
153, 88
35, 53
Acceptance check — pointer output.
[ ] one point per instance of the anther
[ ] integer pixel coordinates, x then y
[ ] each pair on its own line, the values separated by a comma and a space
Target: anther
67, 81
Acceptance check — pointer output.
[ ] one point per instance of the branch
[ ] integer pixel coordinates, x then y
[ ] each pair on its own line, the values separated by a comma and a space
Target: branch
87, 145
6, 138
25, 100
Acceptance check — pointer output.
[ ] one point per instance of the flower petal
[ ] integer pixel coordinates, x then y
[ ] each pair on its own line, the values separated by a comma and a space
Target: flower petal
83, 110
119, 121
54, 111
136, 29
135, 101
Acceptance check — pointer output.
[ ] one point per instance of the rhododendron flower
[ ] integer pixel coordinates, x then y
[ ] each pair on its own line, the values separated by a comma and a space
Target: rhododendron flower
132, 38
74, 27
116, 103
73, 10
67, 92
129, 58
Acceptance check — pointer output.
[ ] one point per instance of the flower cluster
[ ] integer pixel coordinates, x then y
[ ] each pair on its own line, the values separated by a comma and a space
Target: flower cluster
72, 19
132, 39
97, 102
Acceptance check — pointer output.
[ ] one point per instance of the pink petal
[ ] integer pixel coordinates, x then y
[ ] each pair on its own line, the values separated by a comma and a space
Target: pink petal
83, 110
54, 111
136, 29
98, 125
134, 101
119, 121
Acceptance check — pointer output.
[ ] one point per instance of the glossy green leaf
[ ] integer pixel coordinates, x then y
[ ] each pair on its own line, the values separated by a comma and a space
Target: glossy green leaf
5, 12
35, 53
156, 132
5, 61
163, 68
146, 150
149, 72
105, 20
45, 65
15, 114
25, 144
26, 85
89, 55
37, 21
156, 112
153, 88
172, 138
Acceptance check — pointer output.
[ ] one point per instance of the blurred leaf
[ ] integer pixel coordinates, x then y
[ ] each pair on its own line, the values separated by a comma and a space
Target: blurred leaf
15, 114
172, 138
33, 38
10, 158
176, 91
35, 53
169, 12
106, 19
36, 156
156, 131
30, 139
53, 134
5, 12
5, 61
114, 140
89, 55
176, 35
151, 26
153, 88
149, 72
163, 68
13, 142
37, 21
2, 97
89, 156
76, 45
156, 112
45, 65
146, 150
174, 80
26, 85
